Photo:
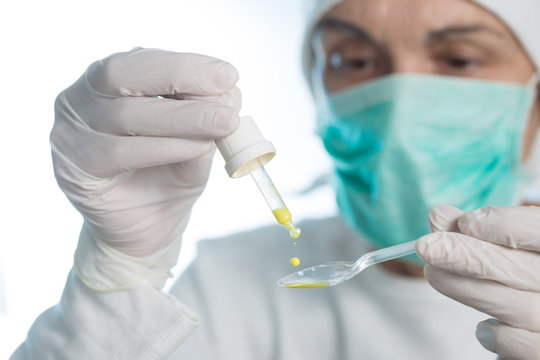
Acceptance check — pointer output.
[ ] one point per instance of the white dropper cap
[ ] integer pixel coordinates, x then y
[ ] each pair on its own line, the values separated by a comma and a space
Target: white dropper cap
246, 149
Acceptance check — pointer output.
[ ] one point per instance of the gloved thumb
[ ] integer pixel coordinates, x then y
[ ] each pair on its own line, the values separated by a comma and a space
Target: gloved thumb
444, 218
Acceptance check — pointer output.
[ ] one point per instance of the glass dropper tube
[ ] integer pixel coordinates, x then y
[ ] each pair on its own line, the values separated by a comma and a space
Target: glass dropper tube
274, 200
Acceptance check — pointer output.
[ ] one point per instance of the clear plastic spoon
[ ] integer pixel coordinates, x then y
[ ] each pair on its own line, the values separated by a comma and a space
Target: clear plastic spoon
334, 273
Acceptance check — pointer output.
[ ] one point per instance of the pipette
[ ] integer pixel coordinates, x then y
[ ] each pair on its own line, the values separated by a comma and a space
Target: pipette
246, 152
334, 273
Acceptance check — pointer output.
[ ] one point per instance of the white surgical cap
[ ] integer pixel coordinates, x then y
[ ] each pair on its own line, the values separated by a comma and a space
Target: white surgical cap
521, 16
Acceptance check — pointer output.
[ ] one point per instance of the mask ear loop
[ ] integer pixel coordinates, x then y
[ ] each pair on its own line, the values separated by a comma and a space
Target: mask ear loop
532, 164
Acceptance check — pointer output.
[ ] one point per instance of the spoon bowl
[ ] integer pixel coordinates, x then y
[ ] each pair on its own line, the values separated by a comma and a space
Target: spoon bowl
323, 275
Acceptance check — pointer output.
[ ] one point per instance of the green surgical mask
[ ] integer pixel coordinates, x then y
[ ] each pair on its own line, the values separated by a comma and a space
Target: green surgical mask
404, 143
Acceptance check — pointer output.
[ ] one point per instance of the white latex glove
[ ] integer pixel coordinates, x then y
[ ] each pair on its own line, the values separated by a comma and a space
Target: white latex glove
489, 259
133, 163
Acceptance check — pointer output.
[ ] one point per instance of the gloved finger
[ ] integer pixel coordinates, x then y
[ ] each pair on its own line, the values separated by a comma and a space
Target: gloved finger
103, 155
468, 256
444, 218
153, 72
232, 98
511, 226
507, 341
144, 116
512, 306
199, 171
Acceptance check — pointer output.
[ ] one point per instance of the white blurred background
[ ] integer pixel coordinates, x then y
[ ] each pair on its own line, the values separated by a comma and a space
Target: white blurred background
47, 45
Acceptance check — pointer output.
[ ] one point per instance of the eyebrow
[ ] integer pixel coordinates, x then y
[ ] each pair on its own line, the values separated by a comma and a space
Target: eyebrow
433, 36
336, 24
453, 31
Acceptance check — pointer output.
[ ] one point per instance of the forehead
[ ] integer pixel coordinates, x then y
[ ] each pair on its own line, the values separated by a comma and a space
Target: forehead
386, 19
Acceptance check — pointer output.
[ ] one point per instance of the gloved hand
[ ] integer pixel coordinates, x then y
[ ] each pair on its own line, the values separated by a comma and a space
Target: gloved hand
489, 259
132, 146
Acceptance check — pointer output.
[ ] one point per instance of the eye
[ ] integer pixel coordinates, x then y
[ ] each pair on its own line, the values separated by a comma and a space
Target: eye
459, 62
350, 62
355, 63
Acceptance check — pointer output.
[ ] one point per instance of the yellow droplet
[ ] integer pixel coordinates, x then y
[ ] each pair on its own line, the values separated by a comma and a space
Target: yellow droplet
295, 261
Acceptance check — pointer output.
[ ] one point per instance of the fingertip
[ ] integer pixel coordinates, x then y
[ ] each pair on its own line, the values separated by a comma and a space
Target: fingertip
226, 76
235, 98
485, 333
463, 223
444, 218
421, 247
226, 121
438, 248
212, 76
467, 221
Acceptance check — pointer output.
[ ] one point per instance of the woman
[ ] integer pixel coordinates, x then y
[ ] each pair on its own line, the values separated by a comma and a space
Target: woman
420, 103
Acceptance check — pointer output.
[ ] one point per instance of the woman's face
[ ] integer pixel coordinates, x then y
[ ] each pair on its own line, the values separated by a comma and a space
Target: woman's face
359, 40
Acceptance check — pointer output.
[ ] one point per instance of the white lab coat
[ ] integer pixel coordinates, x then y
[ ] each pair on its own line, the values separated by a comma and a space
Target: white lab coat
243, 314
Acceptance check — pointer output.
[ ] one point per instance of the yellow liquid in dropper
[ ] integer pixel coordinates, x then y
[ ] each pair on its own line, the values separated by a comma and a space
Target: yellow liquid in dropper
284, 218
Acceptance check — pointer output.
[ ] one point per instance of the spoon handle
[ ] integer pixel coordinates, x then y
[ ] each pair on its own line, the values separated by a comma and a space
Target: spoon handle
386, 254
